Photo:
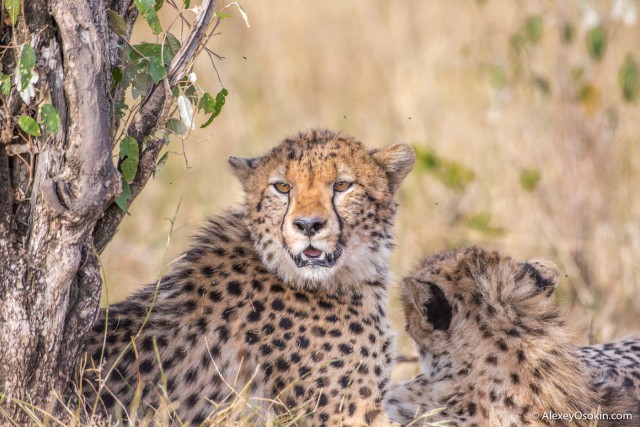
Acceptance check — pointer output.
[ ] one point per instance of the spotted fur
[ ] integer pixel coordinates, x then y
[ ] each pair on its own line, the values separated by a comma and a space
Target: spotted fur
237, 311
495, 350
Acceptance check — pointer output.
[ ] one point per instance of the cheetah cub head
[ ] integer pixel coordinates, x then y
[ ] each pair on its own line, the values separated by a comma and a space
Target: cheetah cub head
320, 207
472, 304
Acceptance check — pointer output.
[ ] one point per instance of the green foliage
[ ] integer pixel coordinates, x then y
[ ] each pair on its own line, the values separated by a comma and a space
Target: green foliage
215, 108
597, 42
5, 84
529, 179
13, 9
117, 23
125, 195
29, 125
49, 118
629, 79
482, 222
452, 174
533, 27
176, 126
25, 68
147, 8
129, 158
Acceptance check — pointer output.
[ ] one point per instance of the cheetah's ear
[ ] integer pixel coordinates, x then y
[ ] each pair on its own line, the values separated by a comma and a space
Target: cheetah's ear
397, 160
544, 272
429, 299
243, 168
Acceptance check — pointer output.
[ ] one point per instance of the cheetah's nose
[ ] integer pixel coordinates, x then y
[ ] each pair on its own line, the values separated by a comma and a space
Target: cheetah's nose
309, 226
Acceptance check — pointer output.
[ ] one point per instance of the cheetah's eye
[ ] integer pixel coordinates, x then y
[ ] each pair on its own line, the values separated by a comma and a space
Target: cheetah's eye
282, 187
341, 186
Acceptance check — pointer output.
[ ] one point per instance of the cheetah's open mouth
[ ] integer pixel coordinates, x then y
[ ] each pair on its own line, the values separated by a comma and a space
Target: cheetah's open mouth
312, 257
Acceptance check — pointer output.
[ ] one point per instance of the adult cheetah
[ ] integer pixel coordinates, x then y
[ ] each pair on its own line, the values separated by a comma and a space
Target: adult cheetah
495, 350
286, 298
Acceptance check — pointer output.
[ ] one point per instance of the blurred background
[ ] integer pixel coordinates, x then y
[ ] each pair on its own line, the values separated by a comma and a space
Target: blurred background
524, 115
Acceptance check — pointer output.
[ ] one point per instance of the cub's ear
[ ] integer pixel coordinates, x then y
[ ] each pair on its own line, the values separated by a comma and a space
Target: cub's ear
243, 168
429, 300
544, 273
397, 160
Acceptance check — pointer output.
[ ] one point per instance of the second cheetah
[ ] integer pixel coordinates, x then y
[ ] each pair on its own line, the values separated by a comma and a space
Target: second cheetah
495, 350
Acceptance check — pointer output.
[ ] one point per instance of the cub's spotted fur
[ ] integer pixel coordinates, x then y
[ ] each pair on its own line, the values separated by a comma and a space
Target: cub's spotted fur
495, 350
292, 291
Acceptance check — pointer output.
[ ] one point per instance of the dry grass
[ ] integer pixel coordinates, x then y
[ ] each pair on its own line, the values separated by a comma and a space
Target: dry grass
420, 72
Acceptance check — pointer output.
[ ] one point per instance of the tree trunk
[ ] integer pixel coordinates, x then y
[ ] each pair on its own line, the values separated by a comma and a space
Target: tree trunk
55, 189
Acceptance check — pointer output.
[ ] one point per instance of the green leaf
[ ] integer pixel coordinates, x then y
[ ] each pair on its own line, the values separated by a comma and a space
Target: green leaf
629, 79
29, 125
13, 9
452, 174
116, 74
125, 195
129, 158
25, 68
160, 164
482, 222
529, 179
146, 8
5, 85
157, 71
207, 103
533, 28
171, 47
49, 118
117, 23
158, 5
187, 3
217, 107
119, 109
140, 85
597, 42
176, 126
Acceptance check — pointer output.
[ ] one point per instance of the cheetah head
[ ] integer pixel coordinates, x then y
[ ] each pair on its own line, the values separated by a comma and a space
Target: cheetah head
320, 207
471, 301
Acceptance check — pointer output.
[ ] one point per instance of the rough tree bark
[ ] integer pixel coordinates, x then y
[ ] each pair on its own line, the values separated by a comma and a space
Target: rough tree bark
57, 192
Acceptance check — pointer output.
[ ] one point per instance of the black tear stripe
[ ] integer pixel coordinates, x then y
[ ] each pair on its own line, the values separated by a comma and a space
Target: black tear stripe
284, 218
335, 211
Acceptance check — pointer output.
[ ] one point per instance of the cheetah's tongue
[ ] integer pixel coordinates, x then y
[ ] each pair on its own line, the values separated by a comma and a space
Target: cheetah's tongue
312, 252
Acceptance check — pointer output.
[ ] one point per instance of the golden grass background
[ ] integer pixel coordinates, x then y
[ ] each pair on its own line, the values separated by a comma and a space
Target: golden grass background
421, 72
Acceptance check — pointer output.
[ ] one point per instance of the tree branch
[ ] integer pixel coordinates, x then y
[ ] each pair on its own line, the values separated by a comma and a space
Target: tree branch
149, 116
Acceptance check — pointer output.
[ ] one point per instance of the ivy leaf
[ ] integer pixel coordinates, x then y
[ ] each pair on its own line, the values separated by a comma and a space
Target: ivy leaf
171, 47
140, 84
160, 164
129, 158
50, 118
146, 8
158, 5
25, 68
176, 126
207, 103
629, 79
217, 106
29, 125
187, 3
157, 71
13, 9
529, 179
119, 109
597, 42
5, 85
117, 23
125, 195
